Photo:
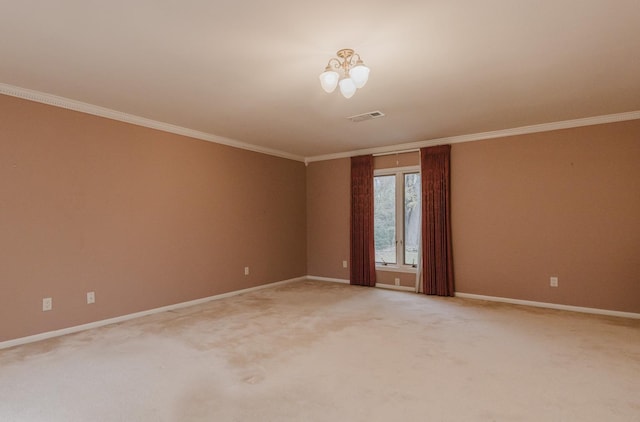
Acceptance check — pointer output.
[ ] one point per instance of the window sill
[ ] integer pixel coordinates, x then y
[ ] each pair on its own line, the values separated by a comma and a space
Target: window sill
396, 269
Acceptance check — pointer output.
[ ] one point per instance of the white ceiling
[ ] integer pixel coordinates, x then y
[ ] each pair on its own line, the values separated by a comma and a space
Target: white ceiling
249, 70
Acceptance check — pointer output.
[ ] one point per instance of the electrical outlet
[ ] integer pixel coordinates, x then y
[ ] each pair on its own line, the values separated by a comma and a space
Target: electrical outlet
397, 281
553, 281
246, 270
91, 297
47, 304
344, 264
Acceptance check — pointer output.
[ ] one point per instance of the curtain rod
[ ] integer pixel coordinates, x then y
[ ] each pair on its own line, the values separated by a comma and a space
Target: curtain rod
396, 152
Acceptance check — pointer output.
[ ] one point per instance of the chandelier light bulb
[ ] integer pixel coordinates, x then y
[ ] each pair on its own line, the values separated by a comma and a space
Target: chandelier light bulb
329, 80
360, 74
347, 87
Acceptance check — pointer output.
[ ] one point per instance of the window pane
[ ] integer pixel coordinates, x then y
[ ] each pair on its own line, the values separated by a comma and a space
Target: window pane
411, 217
384, 202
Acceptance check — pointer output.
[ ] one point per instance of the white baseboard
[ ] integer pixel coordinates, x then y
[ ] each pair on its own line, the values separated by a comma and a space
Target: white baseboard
97, 324
102, 323
331, 280
393, 287
378, 285
550, 305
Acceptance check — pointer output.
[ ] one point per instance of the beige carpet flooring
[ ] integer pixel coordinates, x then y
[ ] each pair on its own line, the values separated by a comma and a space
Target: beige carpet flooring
314, 351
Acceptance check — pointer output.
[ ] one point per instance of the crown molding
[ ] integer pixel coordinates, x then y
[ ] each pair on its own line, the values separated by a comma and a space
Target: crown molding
523, 130
81, 107
53, 100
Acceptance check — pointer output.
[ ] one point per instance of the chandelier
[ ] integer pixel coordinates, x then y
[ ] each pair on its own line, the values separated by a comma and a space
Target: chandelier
354, 73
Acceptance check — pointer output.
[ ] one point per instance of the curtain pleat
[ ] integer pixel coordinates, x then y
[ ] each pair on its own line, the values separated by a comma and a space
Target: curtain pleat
437, 256
363, 265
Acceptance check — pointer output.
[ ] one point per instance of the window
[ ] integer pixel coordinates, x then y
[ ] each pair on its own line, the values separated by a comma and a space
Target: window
397, 216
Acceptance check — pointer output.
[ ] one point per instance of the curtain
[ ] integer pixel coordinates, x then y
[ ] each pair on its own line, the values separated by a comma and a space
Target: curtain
437, 259
363, 262
419, 287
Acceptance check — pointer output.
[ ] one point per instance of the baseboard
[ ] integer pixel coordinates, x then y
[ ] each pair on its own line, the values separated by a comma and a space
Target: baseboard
115, 320
550, 305
331, 280
393, 287
379, 285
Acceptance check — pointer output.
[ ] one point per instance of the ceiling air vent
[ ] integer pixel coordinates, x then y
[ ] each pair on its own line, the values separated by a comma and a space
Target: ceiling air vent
366, 116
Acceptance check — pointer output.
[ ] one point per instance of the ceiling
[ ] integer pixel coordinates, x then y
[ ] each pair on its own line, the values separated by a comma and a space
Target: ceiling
248, 71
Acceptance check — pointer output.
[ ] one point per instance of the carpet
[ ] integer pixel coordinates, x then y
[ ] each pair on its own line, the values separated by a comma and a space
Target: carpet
316, 351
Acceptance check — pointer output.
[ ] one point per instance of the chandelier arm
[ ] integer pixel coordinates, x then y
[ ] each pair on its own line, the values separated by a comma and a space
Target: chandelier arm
336, 63
352, 59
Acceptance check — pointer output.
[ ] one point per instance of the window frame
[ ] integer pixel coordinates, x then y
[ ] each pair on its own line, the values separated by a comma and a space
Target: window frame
399, 173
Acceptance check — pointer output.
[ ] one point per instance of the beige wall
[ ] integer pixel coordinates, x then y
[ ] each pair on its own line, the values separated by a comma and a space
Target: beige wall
405, 159
563, 203
142, 217
328, 199
389, 277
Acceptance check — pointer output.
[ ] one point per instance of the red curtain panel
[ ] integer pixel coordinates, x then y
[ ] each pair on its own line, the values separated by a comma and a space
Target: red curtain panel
437, 258
363, 265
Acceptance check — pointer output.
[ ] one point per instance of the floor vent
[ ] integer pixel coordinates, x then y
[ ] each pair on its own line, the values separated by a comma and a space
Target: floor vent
366, 116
